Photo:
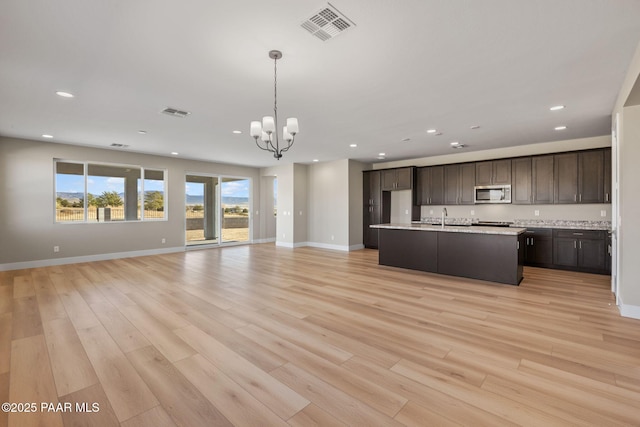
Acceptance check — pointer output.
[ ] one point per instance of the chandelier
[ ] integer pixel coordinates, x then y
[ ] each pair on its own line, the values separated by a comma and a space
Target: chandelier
267, 130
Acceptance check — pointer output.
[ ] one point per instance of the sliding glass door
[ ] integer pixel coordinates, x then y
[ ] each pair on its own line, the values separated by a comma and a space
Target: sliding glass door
217, 210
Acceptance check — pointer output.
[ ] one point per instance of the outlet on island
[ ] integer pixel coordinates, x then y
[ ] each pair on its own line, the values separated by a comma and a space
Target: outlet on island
56, 249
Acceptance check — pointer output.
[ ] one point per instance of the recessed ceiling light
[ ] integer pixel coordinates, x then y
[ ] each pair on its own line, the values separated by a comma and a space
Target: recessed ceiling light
353, 145
237, 131
455, 143
316, 160
556, 107
474, 127
174, 153
64, 94
382, 154
47, 136
142, 132
560, 127
381, 157
432, 130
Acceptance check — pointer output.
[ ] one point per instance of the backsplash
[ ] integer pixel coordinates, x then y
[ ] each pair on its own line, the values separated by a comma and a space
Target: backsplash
509, 212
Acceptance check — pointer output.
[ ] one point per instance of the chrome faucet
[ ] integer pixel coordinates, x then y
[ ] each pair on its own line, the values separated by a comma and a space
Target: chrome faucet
444, 214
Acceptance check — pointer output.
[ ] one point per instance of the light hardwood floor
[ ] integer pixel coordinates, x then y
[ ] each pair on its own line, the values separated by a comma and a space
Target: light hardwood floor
265, 336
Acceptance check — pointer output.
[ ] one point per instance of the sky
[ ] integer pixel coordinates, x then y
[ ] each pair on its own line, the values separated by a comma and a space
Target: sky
98, 184
229, 189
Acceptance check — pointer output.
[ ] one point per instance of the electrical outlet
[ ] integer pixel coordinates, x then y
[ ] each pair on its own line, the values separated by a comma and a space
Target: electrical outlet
56, 249
406, 211
332, 237
430, 211
164, 240
473, 212
536, 212
603, 213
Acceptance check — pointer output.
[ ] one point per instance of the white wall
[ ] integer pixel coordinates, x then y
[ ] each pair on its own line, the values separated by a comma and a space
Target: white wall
27, 228
629, 201
300, 204
329, 204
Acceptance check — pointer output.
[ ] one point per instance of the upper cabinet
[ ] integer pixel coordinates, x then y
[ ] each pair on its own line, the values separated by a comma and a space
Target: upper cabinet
494, 172
430, 185
459, 182
580, 177
542, 179
397, 179
521, 181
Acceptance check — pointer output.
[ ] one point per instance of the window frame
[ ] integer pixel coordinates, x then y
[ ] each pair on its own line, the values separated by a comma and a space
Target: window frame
140, 190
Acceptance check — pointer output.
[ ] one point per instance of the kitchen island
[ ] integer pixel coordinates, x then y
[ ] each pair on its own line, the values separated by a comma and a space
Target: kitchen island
494, 254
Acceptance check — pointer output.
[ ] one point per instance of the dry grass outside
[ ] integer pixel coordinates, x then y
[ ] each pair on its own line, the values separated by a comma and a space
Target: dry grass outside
228, 234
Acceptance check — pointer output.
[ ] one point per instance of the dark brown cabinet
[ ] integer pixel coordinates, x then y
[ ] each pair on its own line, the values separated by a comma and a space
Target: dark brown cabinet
584, 250
521, 181
376, 210
538, 247
459, 182
493, 172
580, 177
607, 175
542, 177
398, 179
430, 185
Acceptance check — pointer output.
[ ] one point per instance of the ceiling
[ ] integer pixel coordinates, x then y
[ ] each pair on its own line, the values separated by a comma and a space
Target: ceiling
403, 68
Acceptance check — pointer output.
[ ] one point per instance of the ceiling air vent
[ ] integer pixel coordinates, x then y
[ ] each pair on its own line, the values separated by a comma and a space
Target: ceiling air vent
175, 112
116, 145
327, 23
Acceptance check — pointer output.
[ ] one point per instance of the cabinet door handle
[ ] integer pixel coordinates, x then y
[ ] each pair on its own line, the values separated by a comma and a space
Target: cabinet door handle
580, 197
575, 198
532, 241
606, 197
580, 244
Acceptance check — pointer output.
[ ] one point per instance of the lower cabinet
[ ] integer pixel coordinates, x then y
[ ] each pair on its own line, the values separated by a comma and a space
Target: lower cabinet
583, 250
578, 250
538, 249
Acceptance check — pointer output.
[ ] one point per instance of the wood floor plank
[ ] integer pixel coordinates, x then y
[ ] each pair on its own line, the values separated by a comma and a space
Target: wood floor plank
26, 318
6, 298
71, 368
180, 398
23, 286
169, 344
6, 328
236, 404
4, 397
379, 398
127, 392
260, 334
154, 417
32, 381
49, 302
124, 333
281, 399
312, 416
343, 406
90, 407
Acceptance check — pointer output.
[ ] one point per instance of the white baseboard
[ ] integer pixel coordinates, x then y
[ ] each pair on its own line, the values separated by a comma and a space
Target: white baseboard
269, 240
87, 258
632, 311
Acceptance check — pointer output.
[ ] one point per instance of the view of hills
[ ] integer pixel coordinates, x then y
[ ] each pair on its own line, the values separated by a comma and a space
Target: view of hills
191, 199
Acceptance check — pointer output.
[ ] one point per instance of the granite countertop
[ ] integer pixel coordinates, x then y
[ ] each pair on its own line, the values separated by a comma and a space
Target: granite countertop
505, 231
571, 225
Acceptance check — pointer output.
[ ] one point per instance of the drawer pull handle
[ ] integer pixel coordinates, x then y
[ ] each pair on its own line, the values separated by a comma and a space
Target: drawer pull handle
578, 234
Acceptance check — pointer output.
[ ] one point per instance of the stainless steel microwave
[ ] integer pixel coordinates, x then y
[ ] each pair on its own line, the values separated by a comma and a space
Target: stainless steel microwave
492, 194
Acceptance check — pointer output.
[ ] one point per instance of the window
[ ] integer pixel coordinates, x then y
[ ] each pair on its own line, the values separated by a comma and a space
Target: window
94, 192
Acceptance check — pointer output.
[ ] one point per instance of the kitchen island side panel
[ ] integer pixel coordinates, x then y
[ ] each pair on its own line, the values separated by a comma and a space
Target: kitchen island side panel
416, 250
494, 258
